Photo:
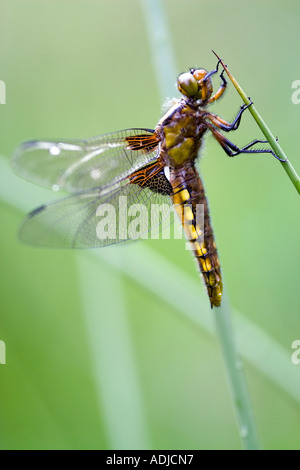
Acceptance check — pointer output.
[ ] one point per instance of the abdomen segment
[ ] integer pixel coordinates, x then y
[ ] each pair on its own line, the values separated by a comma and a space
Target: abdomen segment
191, 205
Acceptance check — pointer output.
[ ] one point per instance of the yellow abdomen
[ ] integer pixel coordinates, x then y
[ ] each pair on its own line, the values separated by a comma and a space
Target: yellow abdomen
188, 200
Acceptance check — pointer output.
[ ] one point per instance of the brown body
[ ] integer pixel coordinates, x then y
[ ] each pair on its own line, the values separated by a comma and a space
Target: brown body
145, 165
180, 133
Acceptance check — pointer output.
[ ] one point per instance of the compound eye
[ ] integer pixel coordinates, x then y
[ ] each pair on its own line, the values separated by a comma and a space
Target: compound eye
199, 74
187, 84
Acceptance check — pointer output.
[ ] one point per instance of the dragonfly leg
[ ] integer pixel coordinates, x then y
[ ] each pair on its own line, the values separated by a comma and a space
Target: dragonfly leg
209, 74
221, 90
228, 126
232, 150
206, 81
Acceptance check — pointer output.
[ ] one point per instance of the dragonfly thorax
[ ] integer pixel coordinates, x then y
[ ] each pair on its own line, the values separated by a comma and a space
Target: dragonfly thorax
180, 132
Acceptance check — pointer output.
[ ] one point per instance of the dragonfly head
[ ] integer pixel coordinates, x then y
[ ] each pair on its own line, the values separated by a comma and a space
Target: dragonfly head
191, 84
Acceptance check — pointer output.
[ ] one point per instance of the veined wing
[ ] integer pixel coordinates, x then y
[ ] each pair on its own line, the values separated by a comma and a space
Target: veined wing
98, 162
96, 218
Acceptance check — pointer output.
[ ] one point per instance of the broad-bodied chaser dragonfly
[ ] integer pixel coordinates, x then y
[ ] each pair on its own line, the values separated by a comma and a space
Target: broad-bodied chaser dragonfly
134, 166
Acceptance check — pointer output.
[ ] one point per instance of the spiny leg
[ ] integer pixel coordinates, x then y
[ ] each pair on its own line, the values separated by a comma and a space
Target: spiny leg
232, 150
205, 80
209, 74
220, 91
228, 126
248, 149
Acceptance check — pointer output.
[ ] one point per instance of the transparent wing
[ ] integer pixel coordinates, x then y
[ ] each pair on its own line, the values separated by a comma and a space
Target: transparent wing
96, 218
85, 164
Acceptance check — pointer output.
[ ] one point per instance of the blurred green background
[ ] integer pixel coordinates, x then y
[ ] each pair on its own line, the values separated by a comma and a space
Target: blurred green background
98, 356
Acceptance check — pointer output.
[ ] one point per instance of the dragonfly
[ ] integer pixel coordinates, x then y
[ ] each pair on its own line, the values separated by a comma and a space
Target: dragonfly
138, 166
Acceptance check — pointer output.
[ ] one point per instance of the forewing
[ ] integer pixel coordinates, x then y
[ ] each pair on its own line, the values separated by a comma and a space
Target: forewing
96, 218
98, 162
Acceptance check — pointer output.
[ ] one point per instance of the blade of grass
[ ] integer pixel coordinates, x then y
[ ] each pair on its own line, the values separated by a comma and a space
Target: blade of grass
162, 53
113, 357
235, 376
155, 18
169, 283
286, 164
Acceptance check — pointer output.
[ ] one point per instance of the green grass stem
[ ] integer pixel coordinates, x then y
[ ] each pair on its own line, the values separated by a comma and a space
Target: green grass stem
286, 164
161, 46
